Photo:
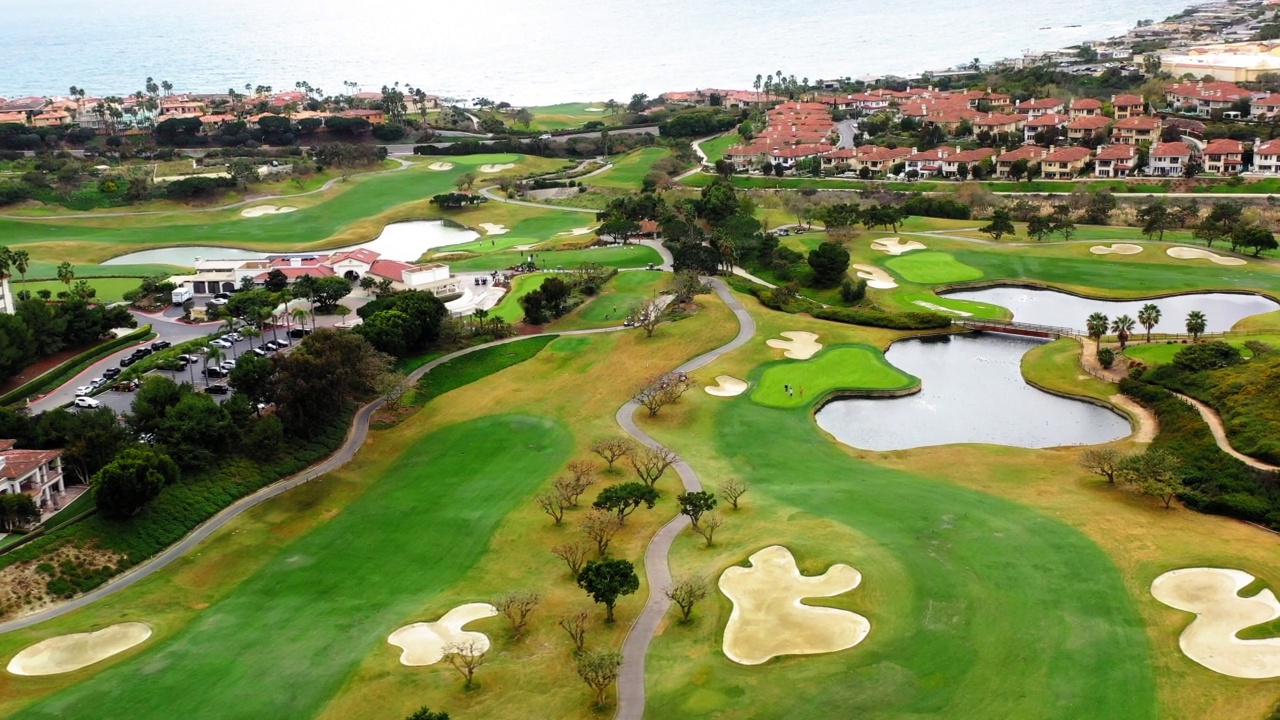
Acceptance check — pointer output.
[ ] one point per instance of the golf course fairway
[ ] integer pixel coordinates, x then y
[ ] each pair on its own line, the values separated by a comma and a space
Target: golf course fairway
283, 642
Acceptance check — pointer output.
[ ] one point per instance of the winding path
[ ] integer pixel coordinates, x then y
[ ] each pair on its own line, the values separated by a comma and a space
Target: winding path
1214, 421
657, 572
350, 445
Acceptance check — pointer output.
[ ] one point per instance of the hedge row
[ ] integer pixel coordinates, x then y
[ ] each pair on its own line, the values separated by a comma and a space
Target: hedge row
879, 318
1216, 482
75, 365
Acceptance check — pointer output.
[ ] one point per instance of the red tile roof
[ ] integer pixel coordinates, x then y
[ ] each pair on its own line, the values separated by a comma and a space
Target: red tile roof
1224, 146
1138, 122
1127, 101
1118, 152
1049, 120
1270, 147
390, 269
1218, 91
1089, 122
1068, 154
1039, 104
20, 462
1026, 152
364, 255
972, 156
998, 120
1173, 149
1086, 104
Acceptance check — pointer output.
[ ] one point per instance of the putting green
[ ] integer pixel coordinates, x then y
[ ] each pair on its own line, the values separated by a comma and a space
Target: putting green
615, 299
931, 268
629, 170
281, 644
619, 256
843, 367
979, 607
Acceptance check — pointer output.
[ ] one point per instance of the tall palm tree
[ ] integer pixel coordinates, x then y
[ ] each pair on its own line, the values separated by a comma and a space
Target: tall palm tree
66, 274
229, 326
252, 333
1096, 325
191, 370
1122, 326
261, 316
1196, 324
301, 316
1149, 317
211, 355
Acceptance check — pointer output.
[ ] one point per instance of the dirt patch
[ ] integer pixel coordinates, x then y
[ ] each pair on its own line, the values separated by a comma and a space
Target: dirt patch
424, 643
1147, 426
24, 586
1213, 595
66, 653
1185, 253
726, 386
769, 619
798, 345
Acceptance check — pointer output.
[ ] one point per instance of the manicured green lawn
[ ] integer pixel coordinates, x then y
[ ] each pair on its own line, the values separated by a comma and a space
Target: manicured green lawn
110, 289
288, 637
509, 307
842, 367
615, 298
474, 366
931, 268
629, 170
1130, 277
976, 309
1158, 353
627, 256
565, 116
716, 148
979, 607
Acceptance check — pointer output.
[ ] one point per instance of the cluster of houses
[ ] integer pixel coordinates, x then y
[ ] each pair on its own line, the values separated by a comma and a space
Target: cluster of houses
214, 276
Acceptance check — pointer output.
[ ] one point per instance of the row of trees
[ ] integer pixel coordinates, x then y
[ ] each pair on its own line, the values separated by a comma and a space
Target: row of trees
1098, 324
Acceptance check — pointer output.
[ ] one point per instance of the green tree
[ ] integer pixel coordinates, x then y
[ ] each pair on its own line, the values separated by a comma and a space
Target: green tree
599, 670
1122, 326
608, 579
1096, 325
1253, 237
66, 274
626, 498
1196, 324
252, 377
125, 485
1001, 224
1039, 227
17, 510
243, 171
524, 117
329, 290
1220, 223
17, 346
695, 504
829, 262
424, 713
1156, 218
1156, 472
388, 331
1149, 317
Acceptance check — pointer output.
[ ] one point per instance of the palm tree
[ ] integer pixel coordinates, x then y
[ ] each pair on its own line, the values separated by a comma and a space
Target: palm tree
261, 316
1196, 324
252, 333
1097, 327
1149, 317
66, 273
191, 369
229, 327
1122, 326
213, 355
301, 316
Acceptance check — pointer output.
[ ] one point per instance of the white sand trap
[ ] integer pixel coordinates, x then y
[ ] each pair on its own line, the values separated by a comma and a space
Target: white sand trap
1210, 639
798, 345
66, 653
938, 308
768, 618
496, 168
895, 246
593, 109
875, 277
261, 210
727, 386
1116, 249
494, 229
424, 643
523, 248
578, 231
1185, 253
440, 166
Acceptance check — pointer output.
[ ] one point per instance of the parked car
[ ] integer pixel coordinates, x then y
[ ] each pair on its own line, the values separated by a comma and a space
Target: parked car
87, 402
299, 332
282, 343
84, 390
221, 343
127, 360
217, 389
267, 347
189, 358
234, 337
219, 301
273, 345
97, 383
222, 296
161, 344
111, 373
213, 372
226, 366
259, 352
126, 386
141, 353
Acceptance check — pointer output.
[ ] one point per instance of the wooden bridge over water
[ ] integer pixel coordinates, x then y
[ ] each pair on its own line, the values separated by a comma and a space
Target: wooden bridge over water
1009, 327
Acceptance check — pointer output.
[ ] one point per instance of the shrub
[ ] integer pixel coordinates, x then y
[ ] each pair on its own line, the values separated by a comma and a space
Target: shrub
879, 318
1207, 356
1106, 357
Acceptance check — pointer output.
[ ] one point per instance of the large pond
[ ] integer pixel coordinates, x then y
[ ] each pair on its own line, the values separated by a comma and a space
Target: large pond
1049, 307
404, 241
972, 392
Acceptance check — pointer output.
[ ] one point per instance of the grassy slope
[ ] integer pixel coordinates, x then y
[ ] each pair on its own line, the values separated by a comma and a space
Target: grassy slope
716, 148
629, 170
110, 289
356, 576
837, 368
475, 366
610, 306
928, 267
629, 256
509, 307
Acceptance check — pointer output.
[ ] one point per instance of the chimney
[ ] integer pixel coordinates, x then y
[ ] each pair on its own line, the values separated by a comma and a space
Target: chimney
295, 262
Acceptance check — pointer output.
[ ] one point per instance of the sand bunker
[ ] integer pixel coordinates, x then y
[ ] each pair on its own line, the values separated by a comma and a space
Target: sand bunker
895, 246
768, 618
1116, 249
66, 653
728, 386
1185, 253
578, 231
261, 210
593, 109
496, 168
424, 643
938, 308
440, 166
875, 277
493, 229
1210, 639
798, 345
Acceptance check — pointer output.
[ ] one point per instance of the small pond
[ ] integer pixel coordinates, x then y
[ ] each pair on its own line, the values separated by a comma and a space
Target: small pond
404, 241
972, 392
1049, 307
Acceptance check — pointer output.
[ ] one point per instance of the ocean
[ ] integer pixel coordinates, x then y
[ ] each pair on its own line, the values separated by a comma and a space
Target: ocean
528, 52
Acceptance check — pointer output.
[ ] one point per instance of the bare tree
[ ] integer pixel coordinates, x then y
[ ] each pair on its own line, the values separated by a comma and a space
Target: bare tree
600, 526
466, 657
1105, 462
517, 606
576, 625
599, 669
707, 528
663, 390
553, 504
574, 555
583, 476
732, 489
686, 592
650, 463
612, 449
392, 387
646, 314
583, 471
